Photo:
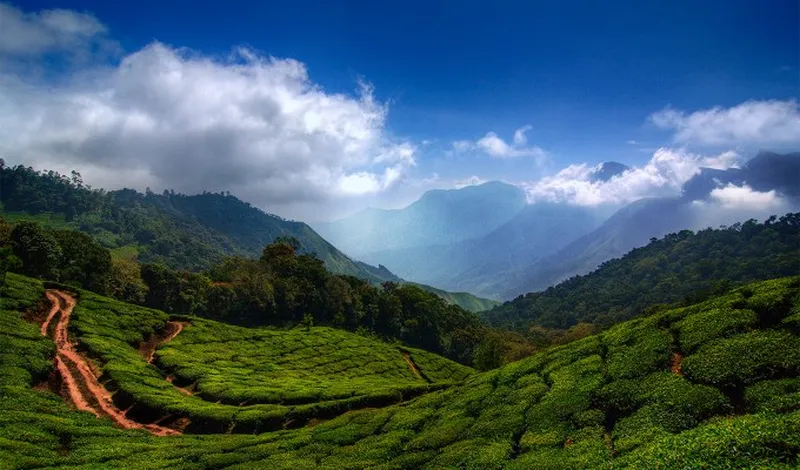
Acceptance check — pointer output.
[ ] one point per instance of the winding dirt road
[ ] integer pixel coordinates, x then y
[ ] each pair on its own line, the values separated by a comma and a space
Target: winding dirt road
148, 349
82, 385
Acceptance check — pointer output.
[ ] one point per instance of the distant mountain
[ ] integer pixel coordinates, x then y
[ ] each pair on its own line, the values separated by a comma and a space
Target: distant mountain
439, 217
635, 224
474, 265
183, 232
608, 170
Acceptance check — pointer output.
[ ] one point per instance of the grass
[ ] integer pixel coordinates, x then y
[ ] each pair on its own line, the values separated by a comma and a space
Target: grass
607, 401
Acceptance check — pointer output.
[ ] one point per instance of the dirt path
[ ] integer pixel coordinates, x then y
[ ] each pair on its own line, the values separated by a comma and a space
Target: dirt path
55, 304
83, 387
411, 365
675, 363
148, 348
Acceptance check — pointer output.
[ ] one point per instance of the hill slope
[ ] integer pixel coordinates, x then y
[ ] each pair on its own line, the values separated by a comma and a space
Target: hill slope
479, 265
183, 232
665, 271
633, 225
706, 386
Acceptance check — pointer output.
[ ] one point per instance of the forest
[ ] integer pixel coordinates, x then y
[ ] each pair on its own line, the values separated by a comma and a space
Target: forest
680, 268
179, 231
282, 287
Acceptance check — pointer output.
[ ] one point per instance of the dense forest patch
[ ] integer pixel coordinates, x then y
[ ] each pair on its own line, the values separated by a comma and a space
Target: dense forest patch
681, 267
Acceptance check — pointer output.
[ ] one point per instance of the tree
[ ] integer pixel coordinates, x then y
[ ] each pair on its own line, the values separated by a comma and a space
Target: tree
308, 321
489, 354
125, 281
83, 261
37, 249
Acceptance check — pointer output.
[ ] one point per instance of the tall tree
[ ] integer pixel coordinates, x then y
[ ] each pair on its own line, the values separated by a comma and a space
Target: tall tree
38, 250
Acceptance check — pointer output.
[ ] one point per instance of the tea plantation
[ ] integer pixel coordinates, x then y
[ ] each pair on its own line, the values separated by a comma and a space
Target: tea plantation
713, 385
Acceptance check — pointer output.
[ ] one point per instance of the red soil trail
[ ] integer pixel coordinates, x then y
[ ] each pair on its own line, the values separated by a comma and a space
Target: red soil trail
675, 363
83, 387
148, 348
53, 310
411, 365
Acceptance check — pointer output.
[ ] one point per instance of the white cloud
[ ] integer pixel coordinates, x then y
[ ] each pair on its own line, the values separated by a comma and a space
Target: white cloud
744, 197
768, 122
520, 137
663, 175
494, 146
631, 142
723, 161
471, 181
730, 204
33, 34
172, 118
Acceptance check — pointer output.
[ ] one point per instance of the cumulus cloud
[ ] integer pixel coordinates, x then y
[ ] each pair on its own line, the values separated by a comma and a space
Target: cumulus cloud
173, 118
730, 204
494, 146
662, 175
768, 122
745, 197
49, 31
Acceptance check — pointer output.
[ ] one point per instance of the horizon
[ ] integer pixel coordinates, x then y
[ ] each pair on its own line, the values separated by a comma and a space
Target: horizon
313, 113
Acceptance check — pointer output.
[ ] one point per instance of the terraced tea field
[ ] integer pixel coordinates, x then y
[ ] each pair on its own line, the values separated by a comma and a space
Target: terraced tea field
214, 377
714, 385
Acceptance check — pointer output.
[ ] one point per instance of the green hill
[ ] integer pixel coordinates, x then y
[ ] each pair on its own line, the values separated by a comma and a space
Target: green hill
465, 300
712, 385
181, 231
679, 267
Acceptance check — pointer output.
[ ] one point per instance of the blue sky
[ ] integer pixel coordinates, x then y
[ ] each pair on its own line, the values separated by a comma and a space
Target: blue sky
585, 76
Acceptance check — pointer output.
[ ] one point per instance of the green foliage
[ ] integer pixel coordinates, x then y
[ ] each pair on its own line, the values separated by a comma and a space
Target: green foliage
38, 250
682, 267
180, 231
488, 354
781, 395
465, 300
745, 358
580, 405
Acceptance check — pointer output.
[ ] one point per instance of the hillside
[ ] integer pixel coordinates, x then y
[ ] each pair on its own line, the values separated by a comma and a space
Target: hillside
706, 386
665, 271
181, 231
633, 225
465, 300
216, 374
480, 265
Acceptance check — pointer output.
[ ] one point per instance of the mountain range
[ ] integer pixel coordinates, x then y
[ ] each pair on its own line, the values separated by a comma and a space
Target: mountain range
191, 232
507, 247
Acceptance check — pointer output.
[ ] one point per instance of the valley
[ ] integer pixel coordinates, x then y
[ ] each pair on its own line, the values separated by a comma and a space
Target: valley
399, 236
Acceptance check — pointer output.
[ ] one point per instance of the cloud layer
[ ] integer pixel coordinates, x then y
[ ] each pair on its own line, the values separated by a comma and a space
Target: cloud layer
171, 118
663, 175
753, 122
